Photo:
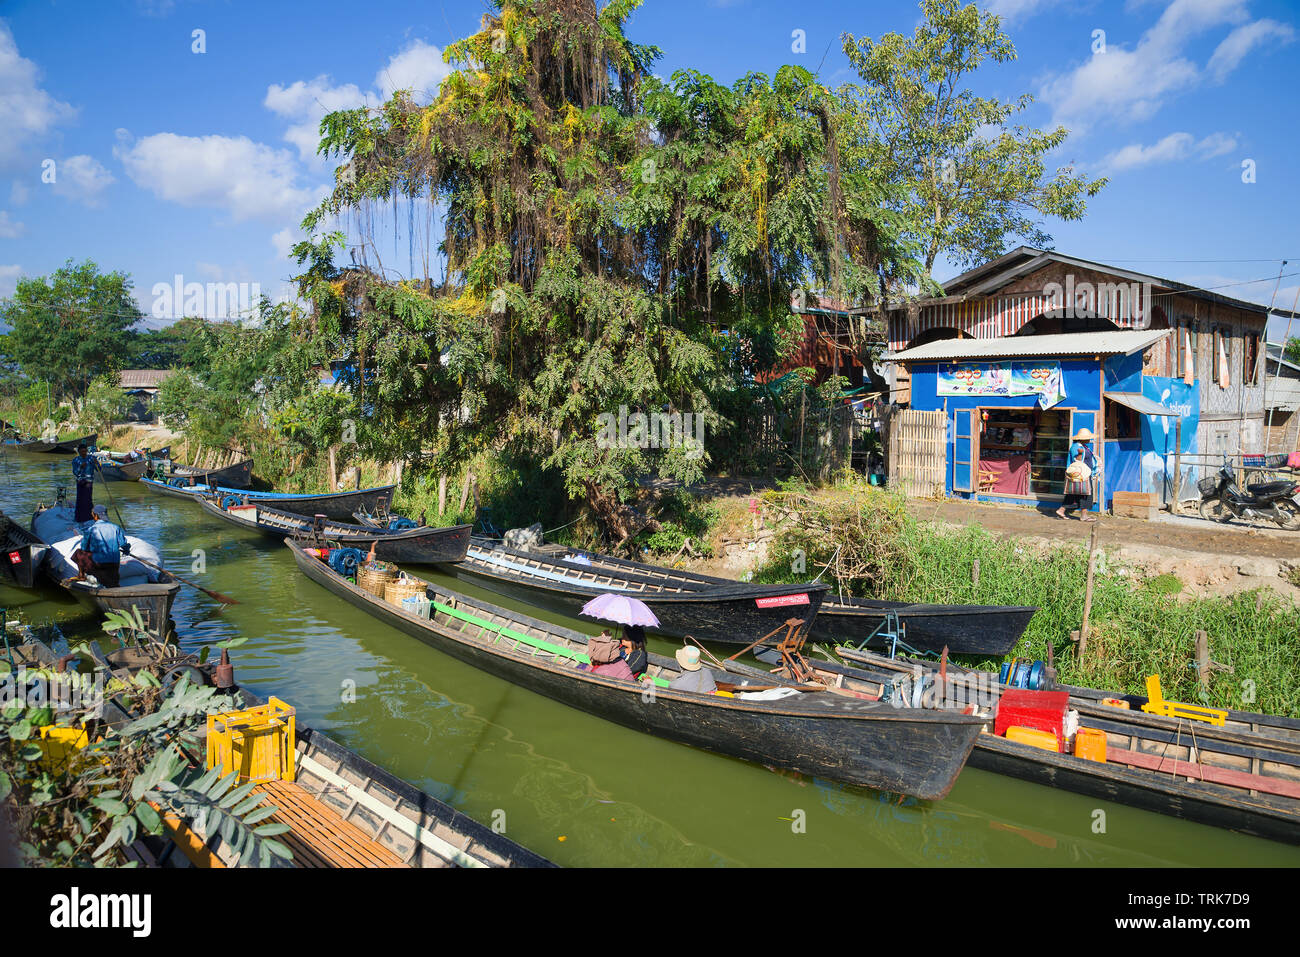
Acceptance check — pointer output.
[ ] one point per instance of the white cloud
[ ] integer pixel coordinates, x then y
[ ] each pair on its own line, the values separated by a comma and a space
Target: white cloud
1012, 10
249, 180
81, 178
18, 193
26, 111
1132, 84
283, 242
1241, 41
9, 279
8, 228
419, 68
1175, 146
305, 103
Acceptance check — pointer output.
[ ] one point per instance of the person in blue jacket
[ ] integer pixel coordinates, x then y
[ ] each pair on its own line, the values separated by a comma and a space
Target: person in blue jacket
105, 543
83, 468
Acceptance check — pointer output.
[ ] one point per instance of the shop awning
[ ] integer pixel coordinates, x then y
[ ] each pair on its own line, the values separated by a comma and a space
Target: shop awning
1140, 403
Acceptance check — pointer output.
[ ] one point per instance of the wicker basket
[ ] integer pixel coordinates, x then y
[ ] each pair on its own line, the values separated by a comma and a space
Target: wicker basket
375, 576
1208, 485
404, 586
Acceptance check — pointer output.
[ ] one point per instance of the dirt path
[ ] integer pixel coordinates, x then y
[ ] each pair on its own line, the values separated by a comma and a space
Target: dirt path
1166, 531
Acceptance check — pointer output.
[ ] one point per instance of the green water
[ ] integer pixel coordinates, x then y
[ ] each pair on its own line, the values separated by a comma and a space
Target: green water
572, 787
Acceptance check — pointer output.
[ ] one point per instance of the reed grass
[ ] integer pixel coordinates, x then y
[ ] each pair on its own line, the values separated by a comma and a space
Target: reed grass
1137, 626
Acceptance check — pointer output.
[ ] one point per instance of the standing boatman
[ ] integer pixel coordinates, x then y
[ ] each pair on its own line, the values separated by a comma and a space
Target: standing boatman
104, 544
83, 467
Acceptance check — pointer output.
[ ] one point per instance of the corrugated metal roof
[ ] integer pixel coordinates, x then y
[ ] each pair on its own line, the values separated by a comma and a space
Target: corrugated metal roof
1108, 343
143, 378
1140, 403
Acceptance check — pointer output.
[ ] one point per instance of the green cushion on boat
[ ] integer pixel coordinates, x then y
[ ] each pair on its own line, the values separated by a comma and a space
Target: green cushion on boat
540, 643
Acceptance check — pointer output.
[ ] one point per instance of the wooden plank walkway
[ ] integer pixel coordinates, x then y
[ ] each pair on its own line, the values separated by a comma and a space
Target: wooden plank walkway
320, 838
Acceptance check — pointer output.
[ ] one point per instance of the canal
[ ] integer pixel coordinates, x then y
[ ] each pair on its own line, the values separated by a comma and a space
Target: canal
568, 785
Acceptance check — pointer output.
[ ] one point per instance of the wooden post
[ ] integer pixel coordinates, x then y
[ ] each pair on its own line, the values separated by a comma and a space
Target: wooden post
333, 477
464, 489
397, 471
442, 494
975, 574
1203, 658
1087, 592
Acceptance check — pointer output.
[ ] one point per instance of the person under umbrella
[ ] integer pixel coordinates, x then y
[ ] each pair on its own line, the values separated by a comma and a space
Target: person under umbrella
635, 616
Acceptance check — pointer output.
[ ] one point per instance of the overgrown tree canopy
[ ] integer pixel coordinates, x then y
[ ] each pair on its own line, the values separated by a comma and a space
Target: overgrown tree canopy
969, 181
72, 326
603, 229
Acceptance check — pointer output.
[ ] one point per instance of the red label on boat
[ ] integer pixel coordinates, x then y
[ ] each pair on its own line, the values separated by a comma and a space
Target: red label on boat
780, 600
15, 558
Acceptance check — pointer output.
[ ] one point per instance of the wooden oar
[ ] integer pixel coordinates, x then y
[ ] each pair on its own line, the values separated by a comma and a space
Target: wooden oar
214, 595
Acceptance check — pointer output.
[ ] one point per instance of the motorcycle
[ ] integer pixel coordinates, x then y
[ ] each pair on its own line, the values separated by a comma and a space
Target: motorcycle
1222, 500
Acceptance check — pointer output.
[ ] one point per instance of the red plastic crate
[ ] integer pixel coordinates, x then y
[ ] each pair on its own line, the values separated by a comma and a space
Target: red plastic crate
1042, 710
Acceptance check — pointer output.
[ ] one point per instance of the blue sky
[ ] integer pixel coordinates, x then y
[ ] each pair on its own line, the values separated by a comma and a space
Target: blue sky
168, 161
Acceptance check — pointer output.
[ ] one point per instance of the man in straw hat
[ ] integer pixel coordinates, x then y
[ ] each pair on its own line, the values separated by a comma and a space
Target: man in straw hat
1078, 486
693, 677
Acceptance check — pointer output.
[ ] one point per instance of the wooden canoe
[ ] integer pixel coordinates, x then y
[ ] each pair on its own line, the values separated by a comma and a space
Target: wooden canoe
153, 599
238, 475
411, 827
70, 445
731, 612
421, 546
1244, 776
31, 445
988, 630
914, 751
115, 470
336, 505
24, 553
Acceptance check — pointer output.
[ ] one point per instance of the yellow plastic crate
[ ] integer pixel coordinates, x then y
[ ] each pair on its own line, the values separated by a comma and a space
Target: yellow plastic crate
257, 742
60, 745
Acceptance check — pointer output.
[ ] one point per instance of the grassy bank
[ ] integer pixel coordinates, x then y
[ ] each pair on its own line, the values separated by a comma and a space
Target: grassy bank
1137, 627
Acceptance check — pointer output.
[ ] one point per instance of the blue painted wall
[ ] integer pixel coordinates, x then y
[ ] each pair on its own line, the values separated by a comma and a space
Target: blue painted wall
1082, 379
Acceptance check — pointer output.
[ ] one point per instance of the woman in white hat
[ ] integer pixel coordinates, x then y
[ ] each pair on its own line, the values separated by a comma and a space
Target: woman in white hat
1078, 487
693, 677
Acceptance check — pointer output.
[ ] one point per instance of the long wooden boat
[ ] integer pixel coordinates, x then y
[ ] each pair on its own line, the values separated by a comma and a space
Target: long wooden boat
238, 475
988, 630
336, 505
24, 553
70, 445
422, 546
30, 445
913, 751
731, 612
114, 469
1243, 776
153, 599
405, 826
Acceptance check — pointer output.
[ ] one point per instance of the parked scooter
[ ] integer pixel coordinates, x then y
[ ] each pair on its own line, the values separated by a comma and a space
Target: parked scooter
1222, 500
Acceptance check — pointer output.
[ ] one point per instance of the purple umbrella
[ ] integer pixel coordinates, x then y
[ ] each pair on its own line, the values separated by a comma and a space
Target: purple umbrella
620, 609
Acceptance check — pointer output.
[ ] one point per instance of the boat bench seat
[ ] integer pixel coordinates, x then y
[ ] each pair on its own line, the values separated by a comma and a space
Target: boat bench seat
319, 837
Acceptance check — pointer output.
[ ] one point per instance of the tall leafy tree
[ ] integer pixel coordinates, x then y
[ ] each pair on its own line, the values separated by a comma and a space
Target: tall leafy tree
71, 326
970, 179
603, 230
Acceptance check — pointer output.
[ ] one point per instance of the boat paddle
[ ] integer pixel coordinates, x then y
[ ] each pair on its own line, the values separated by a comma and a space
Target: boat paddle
214, 595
